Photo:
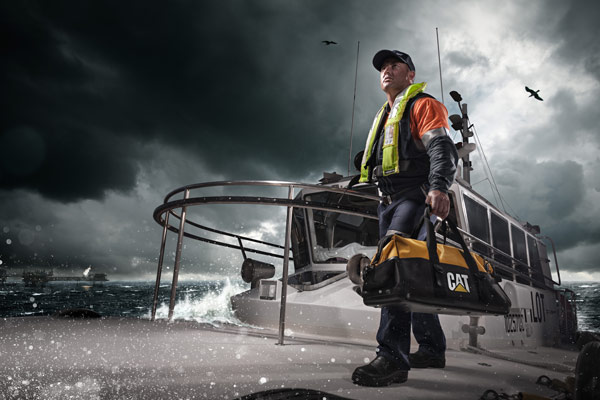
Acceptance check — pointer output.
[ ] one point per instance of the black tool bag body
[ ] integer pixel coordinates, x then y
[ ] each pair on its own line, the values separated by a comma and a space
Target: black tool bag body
432, 278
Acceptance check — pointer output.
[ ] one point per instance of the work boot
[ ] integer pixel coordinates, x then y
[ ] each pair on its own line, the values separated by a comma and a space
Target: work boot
421, 359
379, 372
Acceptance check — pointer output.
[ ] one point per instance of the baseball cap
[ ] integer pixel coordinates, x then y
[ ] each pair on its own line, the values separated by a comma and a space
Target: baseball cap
383, 55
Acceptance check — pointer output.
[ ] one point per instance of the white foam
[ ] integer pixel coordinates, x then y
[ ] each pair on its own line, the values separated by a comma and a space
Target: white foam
214, 307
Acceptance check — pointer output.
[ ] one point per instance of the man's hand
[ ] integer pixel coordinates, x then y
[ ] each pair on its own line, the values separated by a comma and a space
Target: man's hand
440, 203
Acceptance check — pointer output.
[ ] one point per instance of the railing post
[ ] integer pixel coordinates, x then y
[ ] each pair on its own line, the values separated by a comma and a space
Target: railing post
286, 261
178, 256
161, 258
566, 315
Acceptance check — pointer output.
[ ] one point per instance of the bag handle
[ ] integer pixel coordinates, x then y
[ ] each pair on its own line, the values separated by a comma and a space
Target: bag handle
432, 242
380, 245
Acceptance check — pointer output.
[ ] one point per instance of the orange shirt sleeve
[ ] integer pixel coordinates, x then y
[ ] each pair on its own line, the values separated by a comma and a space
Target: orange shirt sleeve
427, 114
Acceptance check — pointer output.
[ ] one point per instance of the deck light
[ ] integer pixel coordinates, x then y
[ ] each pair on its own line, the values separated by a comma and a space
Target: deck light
457, 122
254, 270
456, 96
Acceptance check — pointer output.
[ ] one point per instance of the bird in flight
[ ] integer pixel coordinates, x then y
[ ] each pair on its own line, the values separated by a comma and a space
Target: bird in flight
328, 42
534, 93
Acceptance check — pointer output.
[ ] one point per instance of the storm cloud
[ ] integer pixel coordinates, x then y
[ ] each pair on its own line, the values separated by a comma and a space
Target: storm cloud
107, 106
92, 80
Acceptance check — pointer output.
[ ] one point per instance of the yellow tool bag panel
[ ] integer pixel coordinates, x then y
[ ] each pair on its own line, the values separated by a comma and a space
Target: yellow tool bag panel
424, 276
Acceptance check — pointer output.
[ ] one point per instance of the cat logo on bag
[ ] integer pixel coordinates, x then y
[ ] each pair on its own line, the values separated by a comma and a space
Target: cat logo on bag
458, 282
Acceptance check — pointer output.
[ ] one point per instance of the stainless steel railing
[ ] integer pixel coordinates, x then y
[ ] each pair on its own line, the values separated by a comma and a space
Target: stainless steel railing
529, 276
170, 206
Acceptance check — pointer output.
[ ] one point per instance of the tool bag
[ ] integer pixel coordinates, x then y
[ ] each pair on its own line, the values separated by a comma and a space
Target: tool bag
424, 276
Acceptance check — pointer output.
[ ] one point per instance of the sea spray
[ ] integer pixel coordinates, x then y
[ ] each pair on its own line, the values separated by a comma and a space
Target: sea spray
212, 306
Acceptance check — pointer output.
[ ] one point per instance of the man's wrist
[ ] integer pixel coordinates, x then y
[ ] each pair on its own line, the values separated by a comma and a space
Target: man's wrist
432, 189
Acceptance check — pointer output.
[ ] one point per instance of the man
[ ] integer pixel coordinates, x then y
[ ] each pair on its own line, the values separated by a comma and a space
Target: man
412, 159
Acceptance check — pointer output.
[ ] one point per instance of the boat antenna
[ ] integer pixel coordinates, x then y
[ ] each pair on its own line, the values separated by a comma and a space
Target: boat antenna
353, 104
439, 63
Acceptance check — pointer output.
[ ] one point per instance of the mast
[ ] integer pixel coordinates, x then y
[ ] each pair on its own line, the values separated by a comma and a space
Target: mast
439, 64
461, 123
353, 103
466, 133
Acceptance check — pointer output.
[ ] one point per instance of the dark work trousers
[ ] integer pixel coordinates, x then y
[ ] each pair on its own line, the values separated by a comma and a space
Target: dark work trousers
393, 335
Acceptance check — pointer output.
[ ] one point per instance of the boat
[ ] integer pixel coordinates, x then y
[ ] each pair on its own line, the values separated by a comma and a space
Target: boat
302, 334
40, 277
329, 222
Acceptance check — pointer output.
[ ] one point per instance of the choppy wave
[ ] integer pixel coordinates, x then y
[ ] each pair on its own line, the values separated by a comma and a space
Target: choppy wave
211, 307
588, 304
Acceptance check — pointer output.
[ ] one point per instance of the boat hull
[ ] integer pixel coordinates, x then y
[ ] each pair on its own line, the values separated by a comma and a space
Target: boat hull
337, 311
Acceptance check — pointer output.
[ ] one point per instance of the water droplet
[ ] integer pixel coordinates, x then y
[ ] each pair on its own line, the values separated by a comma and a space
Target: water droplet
26, 237
262, 380
8, 241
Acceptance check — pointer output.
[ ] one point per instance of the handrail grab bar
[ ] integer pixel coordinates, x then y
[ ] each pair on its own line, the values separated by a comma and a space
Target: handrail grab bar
514, 260
497, 263
555, 258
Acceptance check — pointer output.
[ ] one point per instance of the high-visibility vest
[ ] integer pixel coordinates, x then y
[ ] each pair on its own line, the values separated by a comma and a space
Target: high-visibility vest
391, 140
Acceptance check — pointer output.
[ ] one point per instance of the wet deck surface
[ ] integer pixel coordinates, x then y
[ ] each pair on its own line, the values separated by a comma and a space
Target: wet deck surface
112, 358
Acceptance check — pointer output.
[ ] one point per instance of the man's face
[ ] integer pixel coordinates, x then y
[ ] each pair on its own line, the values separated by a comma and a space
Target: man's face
395, 76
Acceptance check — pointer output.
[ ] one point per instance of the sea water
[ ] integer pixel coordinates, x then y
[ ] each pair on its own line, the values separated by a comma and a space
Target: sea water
588, 304
204, 301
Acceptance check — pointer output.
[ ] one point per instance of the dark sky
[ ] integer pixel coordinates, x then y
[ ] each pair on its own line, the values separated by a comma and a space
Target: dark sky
107, 106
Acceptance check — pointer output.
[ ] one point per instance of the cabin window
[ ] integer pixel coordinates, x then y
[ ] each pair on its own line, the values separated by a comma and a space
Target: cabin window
501, 241
478, 224
520, 252
534, 262
299, 239
339, 236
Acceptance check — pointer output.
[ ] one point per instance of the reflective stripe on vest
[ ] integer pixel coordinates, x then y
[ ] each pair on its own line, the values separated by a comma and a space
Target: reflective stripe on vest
390, 162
